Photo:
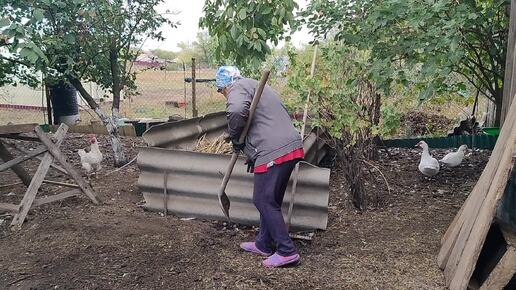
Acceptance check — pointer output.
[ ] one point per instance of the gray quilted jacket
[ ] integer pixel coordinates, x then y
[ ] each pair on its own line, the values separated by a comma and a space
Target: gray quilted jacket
272, 133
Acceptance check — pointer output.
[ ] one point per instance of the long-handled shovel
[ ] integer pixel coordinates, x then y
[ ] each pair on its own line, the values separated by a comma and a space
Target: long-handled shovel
223, 198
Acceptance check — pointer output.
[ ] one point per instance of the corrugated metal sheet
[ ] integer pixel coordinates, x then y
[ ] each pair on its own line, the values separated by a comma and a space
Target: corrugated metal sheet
315, 148
193, 180
477, 141
184, 134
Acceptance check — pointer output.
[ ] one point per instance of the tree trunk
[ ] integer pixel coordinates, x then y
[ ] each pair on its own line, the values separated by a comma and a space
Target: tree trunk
109, 122
115, 72
372, 150
350, 156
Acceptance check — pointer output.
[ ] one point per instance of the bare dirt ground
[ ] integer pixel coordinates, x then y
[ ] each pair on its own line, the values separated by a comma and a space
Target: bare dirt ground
117, 245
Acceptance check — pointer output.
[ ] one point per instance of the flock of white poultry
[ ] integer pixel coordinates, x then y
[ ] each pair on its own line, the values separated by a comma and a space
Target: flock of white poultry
430, 166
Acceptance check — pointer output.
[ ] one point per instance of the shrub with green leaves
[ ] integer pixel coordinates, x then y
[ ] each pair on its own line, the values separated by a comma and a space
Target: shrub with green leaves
346, 103
444, 43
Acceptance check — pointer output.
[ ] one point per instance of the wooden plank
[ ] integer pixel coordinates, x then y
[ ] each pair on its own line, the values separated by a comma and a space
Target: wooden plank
469, 208
19, 137
20, 171
129, 131
20, 159
482, 199
56, 167
471, 242
99, 129
57, 197
472, 203
10, 184
17, 129
8, 207
503, 272
54, 150
37, 180
472, 235
60, 183
509, 88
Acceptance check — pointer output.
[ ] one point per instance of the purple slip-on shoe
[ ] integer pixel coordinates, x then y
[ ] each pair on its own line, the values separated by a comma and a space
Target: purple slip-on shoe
251, 247
277, 260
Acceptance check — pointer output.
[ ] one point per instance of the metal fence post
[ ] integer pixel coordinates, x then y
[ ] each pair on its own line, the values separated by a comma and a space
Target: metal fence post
194, 105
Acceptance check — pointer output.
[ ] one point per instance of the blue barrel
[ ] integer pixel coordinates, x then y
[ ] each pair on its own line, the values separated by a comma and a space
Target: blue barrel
64, 103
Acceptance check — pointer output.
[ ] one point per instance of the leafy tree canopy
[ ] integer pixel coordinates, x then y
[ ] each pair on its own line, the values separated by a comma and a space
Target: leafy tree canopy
79, 39
244, 28
439, 40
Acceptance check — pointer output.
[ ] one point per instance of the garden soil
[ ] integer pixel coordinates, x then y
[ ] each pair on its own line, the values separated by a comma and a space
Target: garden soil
74, 244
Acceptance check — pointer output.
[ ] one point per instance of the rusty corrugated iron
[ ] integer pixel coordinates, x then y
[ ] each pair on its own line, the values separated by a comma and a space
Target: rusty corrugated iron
193, 179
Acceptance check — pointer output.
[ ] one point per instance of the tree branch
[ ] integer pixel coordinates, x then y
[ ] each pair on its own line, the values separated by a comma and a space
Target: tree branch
85, 95
15, 61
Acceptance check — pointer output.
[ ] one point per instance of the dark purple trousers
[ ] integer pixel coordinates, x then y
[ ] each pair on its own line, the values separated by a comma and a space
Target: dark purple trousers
269, 190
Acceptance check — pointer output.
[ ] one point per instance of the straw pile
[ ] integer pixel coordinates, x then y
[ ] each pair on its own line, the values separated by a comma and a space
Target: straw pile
218, 145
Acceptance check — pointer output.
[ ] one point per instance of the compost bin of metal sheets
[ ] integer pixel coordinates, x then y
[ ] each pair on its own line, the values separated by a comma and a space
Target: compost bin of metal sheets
193, 178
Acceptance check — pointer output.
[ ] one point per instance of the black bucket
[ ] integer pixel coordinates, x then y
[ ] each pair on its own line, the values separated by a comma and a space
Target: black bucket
64, 103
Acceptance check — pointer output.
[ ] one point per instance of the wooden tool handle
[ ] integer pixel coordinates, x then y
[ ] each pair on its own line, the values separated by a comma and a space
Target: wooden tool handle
254, 104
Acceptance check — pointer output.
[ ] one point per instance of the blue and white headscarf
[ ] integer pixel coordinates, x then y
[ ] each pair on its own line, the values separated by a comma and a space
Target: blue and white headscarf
226, 75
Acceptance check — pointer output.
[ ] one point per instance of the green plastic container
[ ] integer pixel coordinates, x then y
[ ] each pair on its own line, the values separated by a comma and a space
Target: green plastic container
493, 131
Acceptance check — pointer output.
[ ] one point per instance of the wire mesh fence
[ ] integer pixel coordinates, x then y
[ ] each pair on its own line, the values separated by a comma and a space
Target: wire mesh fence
22, 104
166, 91
163, 92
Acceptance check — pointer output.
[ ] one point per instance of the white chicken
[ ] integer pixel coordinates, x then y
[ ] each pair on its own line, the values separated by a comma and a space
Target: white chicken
454, 159
428, 165
91, 161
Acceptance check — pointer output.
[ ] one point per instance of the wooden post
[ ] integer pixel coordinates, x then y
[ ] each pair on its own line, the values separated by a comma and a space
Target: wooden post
194, 105
509, 86
49, 105
14, 162
20, 171
165, 194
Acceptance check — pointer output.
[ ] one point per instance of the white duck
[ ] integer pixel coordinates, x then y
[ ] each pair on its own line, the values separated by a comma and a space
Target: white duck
454, 159
428, 165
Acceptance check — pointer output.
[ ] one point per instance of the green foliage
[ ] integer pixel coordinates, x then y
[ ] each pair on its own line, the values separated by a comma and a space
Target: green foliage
244, 28
437, 40
80, 39
164, 54
341, 94
205, 47
391, 120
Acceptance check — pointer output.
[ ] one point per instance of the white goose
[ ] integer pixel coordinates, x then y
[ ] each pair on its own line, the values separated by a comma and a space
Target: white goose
428, 165
454, 159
